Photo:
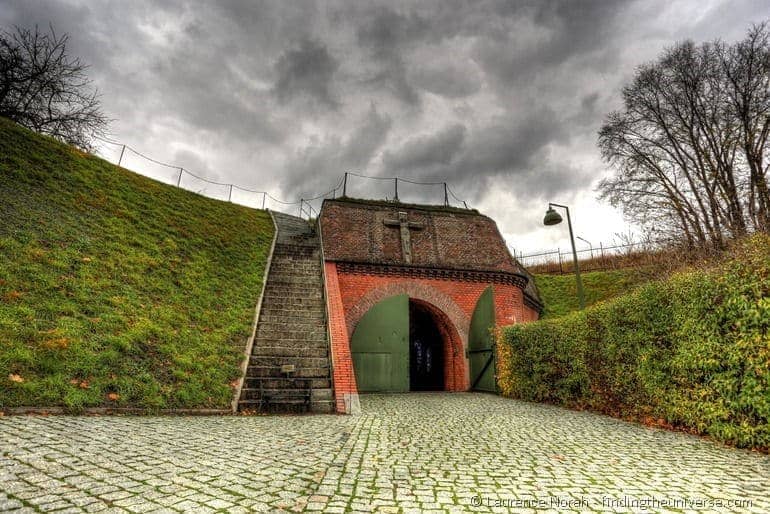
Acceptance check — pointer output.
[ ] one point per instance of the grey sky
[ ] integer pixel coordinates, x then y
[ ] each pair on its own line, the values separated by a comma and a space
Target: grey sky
502, 100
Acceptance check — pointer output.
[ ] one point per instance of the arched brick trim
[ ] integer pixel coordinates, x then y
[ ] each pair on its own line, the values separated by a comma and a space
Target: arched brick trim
415, 290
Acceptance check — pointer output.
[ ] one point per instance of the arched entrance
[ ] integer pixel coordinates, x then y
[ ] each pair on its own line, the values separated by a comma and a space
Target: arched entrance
426, 349
406, 344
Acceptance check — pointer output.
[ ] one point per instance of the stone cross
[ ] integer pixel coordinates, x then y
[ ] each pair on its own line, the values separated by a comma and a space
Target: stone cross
404, 225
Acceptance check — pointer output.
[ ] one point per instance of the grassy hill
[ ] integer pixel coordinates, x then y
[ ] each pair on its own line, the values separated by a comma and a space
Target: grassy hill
117, 290
559, 292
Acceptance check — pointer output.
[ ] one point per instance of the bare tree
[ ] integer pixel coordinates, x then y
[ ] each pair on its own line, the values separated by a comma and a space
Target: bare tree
688, 146
44, 89
746, 67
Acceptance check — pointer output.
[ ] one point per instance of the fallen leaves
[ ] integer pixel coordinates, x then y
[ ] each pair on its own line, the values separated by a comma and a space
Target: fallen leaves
58, 343
649, 421
113, 397
83, 384
12, 295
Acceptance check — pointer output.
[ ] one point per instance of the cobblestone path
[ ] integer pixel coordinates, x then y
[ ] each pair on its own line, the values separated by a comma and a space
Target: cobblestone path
405, 453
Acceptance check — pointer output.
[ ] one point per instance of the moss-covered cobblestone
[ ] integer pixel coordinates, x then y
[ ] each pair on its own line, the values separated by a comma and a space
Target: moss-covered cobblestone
438, 452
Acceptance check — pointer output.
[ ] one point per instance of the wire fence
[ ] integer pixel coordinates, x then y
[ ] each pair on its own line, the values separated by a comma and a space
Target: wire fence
594, 258
375, 187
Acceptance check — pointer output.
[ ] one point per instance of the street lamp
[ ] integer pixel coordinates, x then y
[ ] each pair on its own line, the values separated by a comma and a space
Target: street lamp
554, 218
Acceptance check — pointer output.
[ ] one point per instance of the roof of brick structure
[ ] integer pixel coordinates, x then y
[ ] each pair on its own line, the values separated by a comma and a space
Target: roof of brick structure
371, 232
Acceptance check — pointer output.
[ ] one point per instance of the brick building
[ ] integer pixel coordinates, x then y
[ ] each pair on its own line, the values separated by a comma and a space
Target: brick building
412, 293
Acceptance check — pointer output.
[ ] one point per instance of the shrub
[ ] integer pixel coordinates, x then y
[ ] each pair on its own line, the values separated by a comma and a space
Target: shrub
692, 352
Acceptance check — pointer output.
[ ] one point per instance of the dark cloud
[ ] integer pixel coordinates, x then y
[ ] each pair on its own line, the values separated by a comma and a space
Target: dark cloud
426, 155
306, 71
385, 34
450, 81
366, 139
318, 166
552, 34
500, 98
508, 145
516, 150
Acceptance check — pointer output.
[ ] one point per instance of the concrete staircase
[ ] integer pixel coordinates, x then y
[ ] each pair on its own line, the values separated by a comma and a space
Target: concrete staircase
289, 368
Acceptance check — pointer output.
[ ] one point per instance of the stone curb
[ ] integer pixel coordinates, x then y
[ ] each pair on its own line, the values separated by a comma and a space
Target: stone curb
97, 411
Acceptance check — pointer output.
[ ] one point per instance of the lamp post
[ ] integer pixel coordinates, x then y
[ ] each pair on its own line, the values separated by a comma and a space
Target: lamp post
554, 218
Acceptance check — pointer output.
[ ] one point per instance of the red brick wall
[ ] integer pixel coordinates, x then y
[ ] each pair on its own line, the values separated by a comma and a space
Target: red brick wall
351, 295
355, 231
342, 363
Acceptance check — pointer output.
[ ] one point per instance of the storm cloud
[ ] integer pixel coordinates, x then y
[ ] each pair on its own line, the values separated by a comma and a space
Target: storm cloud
307, 70
501, 99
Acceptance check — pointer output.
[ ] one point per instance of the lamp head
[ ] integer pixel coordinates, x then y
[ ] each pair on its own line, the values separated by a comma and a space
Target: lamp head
551, 217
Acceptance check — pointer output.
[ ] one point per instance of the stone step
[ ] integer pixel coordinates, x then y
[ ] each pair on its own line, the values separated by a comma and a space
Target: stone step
306, 255
283, 272
292, 350
304, 293
293, 257
290, 285
275, 372
316, 407
291, 320
294, 345
299, 362
294, 281
280, 277
300, 291
295, 278
296, 264
282, 383
309, 305
289, 262
308, 251
289, 312
283, 333
309, 342
285, 313
315, 394
294, 291
312, 243
290, 327
299, 301
301, 340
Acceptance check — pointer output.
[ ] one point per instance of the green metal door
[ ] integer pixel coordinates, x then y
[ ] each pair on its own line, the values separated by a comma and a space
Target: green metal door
481, 353
380, 347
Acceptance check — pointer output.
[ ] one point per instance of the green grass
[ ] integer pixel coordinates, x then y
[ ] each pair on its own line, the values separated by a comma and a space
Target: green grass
559, 292
117, 290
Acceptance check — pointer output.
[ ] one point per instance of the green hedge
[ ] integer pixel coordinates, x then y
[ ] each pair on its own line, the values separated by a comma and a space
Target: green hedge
691, 352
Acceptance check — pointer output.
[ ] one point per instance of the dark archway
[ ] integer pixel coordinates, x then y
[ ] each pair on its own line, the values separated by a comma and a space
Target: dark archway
426, 349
